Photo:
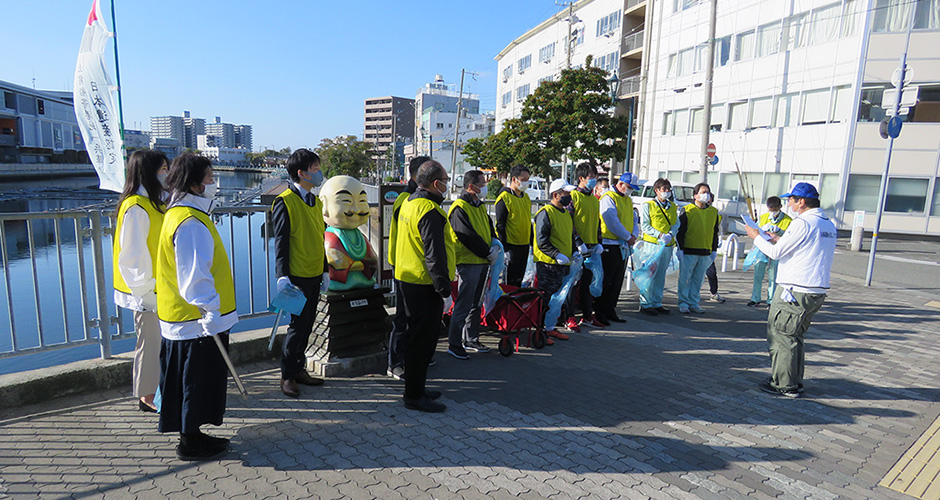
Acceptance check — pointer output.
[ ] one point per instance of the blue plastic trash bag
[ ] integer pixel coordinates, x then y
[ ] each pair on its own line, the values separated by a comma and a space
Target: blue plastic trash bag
493, 291
291, 299
558, 298
593, 263
529, 276
647, 259
158, 399
753, 257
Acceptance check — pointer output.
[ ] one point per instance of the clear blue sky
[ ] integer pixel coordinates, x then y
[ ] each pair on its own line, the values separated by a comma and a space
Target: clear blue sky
297, 70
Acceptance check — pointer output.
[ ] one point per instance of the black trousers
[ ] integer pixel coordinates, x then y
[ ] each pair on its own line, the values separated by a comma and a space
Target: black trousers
584, 293
396, 342
298, 332
518, 258
423, 308
193, 379
712, 274
614, 267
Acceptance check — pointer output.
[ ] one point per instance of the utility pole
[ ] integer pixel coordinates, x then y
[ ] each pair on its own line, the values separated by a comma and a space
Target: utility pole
453, 164
709, 73
569, 43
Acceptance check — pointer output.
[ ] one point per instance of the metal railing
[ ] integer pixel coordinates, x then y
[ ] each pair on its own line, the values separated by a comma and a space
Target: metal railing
632, 42
629, 86
55, 296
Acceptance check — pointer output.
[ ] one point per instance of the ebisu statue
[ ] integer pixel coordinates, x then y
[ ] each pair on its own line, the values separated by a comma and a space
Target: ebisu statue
351, 260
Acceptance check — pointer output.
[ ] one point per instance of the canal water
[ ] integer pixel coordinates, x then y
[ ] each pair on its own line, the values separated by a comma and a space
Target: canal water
35, 278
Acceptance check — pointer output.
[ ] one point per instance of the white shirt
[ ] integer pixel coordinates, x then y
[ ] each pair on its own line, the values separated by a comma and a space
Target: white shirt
805, 252
134, 261
612, 220
194, 249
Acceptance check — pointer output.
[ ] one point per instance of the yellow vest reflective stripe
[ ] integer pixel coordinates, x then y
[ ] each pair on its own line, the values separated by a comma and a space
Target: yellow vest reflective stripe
587, 215
306, 235
153, 235
393, 227
660, 221
410, 264
783, 224
171, 307
480, 221
519, 221
624, 212
700, 227
562, 227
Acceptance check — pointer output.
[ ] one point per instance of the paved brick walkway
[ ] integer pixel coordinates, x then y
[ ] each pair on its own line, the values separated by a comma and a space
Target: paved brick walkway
663, 407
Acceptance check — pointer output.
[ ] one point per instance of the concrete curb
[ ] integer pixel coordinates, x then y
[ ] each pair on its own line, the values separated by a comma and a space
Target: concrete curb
82, 377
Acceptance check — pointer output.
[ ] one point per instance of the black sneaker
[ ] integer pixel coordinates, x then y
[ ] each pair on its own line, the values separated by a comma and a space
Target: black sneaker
751, 303
475, 346
397, 373
457, 352
424, 404
662, 310
196, 448
766, 387
213, 441
649, 311
432, 394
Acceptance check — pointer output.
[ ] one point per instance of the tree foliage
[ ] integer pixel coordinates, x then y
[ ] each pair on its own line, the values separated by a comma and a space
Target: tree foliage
345, 155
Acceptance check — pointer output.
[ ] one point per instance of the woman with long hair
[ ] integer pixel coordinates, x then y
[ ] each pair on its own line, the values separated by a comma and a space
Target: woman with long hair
196, 300
139, 218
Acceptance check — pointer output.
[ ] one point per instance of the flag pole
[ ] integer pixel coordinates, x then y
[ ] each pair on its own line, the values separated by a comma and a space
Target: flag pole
117, 76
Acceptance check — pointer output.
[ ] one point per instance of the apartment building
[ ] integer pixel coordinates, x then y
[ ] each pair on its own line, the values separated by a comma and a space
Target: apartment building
389, 122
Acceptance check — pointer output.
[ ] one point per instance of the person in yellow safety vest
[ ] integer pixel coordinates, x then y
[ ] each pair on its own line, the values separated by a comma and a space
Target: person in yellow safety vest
472, 235
195, 301
554, 246
660, 223
698, 242
775, 222
300, 259
424, 266
587, 223
514, 223
619, 231
396, 343
139, 219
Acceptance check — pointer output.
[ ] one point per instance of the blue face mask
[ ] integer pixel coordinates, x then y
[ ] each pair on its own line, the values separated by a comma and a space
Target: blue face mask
591, 183
316, 178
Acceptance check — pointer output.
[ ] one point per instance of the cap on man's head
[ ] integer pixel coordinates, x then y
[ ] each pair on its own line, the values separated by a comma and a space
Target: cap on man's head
802, 190
630, 179
558, 185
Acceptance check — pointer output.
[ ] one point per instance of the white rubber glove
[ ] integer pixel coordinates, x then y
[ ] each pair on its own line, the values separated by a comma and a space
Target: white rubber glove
561, 259
769, 228
598, 249
666, 238
210, 323
583, 250
679, 254
448, 303
282, 283
149, 301
714, 256
494, 252
325, 282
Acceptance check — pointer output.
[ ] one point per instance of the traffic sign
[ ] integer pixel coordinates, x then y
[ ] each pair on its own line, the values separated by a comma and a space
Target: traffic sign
896, 76
894, 126
714, 160
711, 150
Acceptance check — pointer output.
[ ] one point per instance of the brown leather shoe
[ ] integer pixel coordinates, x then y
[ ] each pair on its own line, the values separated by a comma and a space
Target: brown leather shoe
306, 379
289, 388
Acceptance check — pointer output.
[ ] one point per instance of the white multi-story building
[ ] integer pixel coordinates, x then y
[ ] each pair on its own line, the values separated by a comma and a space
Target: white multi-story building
38, 126
798, 96
229, 157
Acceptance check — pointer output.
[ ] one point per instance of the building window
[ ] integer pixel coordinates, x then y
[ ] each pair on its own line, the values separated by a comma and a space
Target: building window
507, 98
768, 39
815, 107
744, 46
737, 113
895, 15
775, 184
549, 78
935, 206
678, 5
794, 32
507, 72
842, 104
718, 117
608, 24
824, 26
672, 66
578, 35
722, 51
786, 107
524, 63
522, 92
862, 193
730, 187
682, 122
761, 111
440, 126
851, 17
906, 195
829, 186
667, 123
546, 53
9, 100
684, 62
698, 116
609, 62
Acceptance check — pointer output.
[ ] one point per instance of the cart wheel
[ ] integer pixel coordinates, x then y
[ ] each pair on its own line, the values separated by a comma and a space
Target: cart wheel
538, 339
505, 347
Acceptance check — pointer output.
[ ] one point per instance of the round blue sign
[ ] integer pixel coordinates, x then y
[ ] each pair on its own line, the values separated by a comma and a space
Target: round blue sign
713, 160
894, 127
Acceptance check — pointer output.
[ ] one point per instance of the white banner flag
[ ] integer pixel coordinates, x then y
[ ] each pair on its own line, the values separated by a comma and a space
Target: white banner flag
94, 107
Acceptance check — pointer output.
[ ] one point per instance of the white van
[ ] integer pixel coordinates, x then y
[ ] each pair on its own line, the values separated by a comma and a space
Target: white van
538, 188
683, 192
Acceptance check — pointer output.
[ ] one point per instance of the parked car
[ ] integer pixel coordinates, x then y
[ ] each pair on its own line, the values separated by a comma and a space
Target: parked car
682, 191
538, 188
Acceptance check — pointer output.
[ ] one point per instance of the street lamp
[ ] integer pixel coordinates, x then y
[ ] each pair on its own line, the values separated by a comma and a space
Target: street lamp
614, 83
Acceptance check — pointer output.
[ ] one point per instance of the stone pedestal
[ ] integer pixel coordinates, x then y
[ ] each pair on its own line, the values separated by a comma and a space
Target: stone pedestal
350, 334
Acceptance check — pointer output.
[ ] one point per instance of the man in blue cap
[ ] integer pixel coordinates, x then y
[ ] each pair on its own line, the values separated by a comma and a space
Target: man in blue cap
619, 231
805, 255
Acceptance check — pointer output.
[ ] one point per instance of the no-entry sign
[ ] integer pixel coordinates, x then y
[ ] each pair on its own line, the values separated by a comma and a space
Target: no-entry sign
711, 150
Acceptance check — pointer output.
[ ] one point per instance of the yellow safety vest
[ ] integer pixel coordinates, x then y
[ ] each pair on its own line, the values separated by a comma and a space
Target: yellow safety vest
784, 223
700, 229
153, 235
562, 226
587, 216
306, 235
661, 220
393, 227
519, 221
171, 307
624, 212
480, 221
410, 264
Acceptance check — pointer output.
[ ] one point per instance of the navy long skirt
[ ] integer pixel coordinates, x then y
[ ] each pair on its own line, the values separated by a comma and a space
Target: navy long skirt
193, 382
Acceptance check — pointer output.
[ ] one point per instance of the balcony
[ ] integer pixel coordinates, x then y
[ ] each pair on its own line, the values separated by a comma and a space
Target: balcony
632, 43
629, 86
633, 3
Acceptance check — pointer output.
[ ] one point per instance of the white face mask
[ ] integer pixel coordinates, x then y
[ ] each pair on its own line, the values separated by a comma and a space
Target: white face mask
483, 191
443, 189
523, 185
775, 213
666, 195
705, 197
211, 190
161, 178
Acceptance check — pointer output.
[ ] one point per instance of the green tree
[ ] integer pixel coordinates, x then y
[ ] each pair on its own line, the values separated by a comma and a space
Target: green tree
345, 155
493, 187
